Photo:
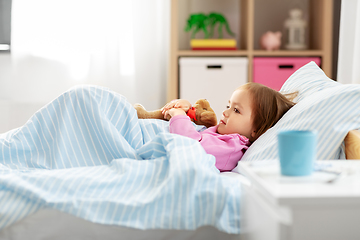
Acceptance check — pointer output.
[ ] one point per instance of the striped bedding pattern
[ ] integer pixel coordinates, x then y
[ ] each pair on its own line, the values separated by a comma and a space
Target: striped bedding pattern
87, 154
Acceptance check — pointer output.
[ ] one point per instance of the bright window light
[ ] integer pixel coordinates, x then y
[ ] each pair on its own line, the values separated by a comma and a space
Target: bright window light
127, 62
75, 32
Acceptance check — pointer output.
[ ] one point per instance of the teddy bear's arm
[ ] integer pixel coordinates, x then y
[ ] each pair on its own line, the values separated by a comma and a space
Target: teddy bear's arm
143, 114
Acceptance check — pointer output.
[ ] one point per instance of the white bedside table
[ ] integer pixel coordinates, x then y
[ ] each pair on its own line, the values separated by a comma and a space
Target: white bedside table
289, 208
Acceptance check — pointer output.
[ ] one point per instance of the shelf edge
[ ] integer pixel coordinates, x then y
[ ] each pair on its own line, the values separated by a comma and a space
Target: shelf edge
254, 53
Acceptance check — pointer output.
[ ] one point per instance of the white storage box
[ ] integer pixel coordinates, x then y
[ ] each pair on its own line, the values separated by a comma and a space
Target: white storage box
213, 78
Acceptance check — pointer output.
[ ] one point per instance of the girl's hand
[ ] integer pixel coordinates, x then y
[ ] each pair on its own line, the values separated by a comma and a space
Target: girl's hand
174, 112
178, 103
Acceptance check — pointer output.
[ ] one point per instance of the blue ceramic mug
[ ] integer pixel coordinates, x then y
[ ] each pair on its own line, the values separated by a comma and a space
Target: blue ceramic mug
297, 152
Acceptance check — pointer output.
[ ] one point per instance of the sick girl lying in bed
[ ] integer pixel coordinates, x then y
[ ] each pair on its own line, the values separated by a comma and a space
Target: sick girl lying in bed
92, 125
253, 109
86, 153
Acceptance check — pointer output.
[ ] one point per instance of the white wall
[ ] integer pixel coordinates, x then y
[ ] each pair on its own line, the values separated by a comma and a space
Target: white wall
15, 114
30, 84
32, 80
25, 87
349, 43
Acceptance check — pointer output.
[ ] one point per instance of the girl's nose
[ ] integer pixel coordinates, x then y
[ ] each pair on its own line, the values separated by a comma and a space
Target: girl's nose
225, 112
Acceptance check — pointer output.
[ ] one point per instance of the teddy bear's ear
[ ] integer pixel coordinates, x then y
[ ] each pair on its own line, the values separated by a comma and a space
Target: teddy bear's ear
208, 118
203, 104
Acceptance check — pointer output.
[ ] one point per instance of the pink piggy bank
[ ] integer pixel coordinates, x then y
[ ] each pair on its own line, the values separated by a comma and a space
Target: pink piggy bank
270, 41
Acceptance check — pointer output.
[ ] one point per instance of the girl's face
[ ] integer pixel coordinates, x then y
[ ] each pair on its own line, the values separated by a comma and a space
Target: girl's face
237, 117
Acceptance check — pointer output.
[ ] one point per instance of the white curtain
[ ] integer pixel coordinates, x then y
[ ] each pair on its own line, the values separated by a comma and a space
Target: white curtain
349, 42
121, 44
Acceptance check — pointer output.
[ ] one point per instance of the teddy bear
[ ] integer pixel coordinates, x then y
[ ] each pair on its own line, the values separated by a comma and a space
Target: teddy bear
201, 113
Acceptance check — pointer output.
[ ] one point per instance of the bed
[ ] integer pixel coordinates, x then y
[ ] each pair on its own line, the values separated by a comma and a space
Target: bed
84, 166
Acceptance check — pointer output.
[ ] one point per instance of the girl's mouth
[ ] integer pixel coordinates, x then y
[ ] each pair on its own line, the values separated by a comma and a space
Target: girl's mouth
222, 121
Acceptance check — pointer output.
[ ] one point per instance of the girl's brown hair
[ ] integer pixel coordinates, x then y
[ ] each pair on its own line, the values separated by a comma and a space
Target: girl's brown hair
268, 106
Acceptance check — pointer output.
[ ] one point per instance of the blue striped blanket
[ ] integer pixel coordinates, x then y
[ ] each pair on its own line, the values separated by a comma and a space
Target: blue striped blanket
87, 154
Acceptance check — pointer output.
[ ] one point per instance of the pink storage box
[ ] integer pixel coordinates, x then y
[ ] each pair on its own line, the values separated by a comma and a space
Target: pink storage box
274, 71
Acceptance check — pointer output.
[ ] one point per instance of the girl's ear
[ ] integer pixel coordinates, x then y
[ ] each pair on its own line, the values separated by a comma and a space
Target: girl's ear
253, 134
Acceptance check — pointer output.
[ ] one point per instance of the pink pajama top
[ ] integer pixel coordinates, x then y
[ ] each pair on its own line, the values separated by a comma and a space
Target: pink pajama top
228, 149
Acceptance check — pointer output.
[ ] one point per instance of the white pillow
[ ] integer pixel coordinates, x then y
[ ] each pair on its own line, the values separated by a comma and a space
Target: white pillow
307, 80
330, 108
